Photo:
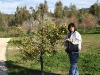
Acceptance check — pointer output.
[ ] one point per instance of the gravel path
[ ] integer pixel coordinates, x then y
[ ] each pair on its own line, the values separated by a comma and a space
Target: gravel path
3, 44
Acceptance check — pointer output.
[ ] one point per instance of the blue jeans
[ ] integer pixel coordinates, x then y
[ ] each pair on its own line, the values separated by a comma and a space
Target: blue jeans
73, 63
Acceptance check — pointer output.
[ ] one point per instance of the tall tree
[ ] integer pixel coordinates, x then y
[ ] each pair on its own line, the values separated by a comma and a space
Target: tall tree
65, 11
95, 9
1, 21
42, 10
46, 6
21, 15
32, 11
58, 12
4, 19
82, 13
72, 10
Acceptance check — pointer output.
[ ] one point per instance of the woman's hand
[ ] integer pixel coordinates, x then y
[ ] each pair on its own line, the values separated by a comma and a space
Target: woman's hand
68, 40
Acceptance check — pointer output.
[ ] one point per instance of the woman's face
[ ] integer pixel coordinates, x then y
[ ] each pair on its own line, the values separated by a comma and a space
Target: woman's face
72, 29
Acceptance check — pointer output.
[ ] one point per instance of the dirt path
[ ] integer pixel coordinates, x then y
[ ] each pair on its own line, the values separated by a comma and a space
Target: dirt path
3, 44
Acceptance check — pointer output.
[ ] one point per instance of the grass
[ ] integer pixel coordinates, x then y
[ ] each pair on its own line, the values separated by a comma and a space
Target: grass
90, 42
54, 65
17, 66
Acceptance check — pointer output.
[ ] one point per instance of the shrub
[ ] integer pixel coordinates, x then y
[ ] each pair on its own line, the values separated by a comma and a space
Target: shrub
14, 31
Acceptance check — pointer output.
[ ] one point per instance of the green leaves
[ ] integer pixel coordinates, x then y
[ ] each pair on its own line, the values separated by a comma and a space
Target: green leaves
43, 38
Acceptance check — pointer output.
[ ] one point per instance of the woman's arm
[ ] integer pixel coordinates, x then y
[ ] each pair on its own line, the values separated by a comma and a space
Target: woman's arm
76, 38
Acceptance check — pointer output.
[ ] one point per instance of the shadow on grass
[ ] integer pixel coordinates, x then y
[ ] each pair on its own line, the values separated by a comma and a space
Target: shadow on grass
19, 70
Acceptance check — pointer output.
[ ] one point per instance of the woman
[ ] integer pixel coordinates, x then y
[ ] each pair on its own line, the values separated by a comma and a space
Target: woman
73, 37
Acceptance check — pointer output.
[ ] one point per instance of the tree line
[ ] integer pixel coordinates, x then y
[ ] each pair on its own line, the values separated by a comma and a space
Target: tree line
86, 18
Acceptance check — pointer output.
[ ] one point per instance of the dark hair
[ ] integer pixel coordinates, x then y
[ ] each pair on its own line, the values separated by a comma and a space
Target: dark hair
71, 25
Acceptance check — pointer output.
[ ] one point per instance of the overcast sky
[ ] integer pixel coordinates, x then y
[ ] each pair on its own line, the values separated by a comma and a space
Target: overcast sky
9, 6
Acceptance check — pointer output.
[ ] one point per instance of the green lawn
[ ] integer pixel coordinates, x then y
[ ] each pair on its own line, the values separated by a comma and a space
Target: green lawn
58, 64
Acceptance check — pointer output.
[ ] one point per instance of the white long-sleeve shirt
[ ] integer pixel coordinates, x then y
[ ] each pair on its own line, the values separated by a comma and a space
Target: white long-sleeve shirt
76, 39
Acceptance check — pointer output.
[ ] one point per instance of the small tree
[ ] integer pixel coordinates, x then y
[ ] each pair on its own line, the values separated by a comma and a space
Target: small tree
43, 40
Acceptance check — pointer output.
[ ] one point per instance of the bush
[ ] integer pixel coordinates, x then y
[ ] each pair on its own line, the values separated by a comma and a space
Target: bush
14, 31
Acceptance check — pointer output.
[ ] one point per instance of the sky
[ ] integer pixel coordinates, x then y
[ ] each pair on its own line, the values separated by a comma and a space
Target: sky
9, 6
